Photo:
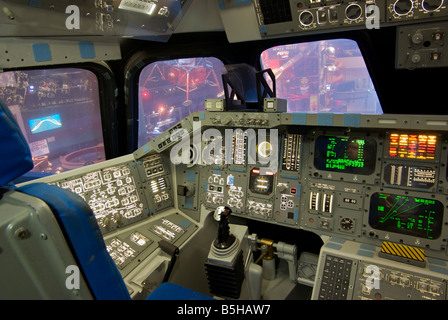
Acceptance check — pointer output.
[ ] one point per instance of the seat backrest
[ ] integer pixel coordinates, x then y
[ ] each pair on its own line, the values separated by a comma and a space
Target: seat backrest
15, 154
48, 234
34, 254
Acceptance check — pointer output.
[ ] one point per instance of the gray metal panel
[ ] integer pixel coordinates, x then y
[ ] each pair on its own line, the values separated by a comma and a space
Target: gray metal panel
240, 23
395, 280
20, 52
130, 18
341, 199
315, 16
346, 195
34, 254
422, 46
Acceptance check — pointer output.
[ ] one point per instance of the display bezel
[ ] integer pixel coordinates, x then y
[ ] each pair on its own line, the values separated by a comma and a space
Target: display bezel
424, 186
401, 199
387, 146
313, 172
256, 172
321, 154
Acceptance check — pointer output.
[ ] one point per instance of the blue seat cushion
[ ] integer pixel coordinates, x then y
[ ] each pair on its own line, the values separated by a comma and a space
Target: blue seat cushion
171, 291
14, 150
83, 235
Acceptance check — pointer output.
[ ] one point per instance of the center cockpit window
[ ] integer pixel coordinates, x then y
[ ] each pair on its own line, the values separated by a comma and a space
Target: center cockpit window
322, 76
171, 90
58, 111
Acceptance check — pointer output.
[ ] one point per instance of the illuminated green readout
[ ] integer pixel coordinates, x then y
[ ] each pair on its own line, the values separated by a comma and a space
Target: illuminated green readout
406, 215
344, 154
352, 156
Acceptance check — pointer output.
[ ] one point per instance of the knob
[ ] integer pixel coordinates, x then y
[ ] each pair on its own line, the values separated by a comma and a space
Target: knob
432, 5
353, 11
117, 217
416, 58
186, 190
306, 18
403, 7
333, 13
347, 224
182, 190
417, 38
106, 222
228, 120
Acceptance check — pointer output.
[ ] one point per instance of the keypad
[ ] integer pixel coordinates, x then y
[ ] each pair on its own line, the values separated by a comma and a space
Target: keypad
335, 278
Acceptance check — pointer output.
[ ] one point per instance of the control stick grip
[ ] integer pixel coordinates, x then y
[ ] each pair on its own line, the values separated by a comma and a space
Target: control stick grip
224, 239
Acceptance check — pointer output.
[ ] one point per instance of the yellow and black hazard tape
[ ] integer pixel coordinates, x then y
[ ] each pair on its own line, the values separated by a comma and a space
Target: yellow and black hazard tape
403, 253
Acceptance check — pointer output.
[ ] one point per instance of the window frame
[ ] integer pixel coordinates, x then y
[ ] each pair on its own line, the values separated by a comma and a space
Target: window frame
107, 91
361, 38
133, 70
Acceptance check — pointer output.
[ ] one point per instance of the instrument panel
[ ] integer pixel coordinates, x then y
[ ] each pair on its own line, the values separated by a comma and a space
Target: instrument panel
100, 17
122, 194
299, 17
366, 183
306, 15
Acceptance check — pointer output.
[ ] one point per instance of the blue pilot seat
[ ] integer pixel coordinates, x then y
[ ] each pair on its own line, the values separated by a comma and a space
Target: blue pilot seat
48, 234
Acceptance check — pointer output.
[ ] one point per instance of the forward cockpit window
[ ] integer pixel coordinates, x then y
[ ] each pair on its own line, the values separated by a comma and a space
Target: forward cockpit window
171, 90
58, 111
322, 76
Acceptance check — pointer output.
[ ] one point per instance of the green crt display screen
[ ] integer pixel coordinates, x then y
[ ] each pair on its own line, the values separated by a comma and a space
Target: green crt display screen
407, 215
345, 154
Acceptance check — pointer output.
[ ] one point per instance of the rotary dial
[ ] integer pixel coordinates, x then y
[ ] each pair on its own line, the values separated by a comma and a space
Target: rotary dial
347, 224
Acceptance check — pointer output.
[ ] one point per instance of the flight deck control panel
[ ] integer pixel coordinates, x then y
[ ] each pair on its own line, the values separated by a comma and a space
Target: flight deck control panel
124, 194
360, 178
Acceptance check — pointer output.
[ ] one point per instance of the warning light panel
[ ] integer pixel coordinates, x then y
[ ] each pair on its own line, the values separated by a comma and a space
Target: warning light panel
412, 146
261, 183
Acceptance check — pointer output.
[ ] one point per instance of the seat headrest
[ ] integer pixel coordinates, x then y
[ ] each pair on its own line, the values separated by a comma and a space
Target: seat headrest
15, 154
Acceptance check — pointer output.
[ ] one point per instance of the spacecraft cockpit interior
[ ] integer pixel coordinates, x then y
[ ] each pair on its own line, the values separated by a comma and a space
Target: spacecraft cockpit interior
227, 150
